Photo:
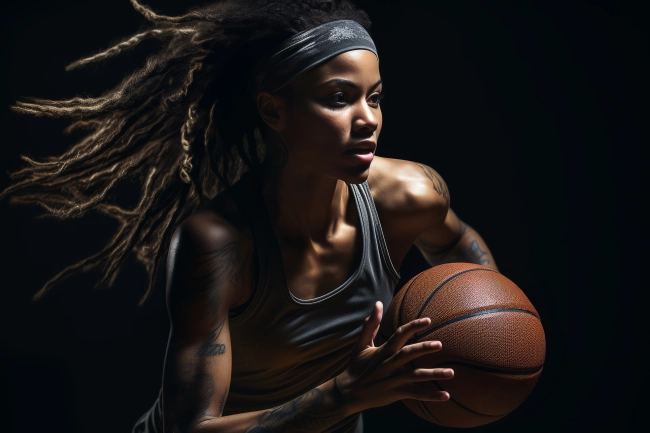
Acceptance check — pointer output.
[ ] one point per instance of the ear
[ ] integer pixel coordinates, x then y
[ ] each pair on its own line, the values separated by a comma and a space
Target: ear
272, 109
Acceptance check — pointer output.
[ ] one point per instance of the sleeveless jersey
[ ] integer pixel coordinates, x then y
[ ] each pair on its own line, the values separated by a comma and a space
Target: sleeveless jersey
283, 346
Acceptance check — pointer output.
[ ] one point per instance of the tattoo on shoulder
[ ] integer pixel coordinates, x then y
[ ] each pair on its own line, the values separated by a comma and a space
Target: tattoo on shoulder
437, 182
210, 347
216, 268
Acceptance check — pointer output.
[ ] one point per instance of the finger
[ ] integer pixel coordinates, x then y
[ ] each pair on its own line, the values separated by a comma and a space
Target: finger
376, 328
412, 351
402, 335
370, 327
418, 392
426, 374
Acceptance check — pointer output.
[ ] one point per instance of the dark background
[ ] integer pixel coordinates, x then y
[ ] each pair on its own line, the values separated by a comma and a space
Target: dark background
535, 114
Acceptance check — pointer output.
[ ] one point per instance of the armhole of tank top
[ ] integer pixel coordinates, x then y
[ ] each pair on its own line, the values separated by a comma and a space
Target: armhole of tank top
239, 313
235, 314
379, 231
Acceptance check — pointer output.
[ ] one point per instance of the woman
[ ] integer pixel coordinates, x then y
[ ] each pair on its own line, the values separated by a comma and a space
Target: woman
254, 132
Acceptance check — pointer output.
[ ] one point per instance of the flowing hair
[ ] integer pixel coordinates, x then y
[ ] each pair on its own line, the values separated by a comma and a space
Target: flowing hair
184, 126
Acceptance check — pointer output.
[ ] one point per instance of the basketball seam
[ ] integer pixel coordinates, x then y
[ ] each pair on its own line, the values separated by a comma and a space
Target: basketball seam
426, 409
421, 403
445, 282
526, 372
467, 316
465, 407
406, 292
399, 315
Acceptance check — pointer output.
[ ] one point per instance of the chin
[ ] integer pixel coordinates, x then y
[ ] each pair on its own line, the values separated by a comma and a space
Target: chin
356, 176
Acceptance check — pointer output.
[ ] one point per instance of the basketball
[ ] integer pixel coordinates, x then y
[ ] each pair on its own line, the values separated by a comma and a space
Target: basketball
491, 336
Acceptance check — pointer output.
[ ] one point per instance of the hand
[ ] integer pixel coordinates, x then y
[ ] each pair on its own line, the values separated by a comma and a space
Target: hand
377, 376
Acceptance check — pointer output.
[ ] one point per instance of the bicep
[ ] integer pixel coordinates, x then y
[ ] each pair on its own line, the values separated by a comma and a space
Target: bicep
441, 227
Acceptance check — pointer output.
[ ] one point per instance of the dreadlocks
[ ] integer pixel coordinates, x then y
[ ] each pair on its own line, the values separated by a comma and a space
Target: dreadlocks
184, 126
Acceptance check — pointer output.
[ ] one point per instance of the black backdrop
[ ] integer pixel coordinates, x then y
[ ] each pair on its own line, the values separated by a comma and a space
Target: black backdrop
533, 112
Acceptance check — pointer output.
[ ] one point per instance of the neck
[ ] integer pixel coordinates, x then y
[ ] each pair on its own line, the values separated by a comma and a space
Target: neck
305, 206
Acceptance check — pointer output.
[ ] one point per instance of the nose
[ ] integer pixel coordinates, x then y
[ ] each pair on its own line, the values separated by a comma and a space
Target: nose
366, 118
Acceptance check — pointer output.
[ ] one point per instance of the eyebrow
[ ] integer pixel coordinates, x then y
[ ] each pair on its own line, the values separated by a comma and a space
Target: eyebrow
344, 82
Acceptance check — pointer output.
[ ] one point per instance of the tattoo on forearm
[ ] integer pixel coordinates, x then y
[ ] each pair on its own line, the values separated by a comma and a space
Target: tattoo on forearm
437, 182
298, 415
223, 401
191, 392
210, 347
477, 253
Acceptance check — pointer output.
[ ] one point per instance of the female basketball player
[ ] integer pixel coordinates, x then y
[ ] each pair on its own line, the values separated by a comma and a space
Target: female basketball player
254, 133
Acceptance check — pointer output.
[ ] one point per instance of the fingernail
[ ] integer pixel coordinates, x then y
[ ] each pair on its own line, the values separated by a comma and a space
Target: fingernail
447, 372
444, 396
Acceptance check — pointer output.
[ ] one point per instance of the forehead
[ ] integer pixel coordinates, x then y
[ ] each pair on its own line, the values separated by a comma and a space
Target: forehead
359, 66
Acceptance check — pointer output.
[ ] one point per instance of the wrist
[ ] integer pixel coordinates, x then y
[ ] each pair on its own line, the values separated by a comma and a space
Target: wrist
337, 398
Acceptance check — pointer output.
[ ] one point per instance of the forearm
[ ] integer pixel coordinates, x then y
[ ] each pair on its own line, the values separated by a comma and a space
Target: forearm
469, 247
314, 411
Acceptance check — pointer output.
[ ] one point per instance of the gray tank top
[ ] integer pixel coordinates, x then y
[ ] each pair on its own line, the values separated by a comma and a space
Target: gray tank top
283, 346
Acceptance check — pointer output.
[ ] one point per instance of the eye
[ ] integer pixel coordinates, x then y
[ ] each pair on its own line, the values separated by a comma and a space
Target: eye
339, 99
375, 98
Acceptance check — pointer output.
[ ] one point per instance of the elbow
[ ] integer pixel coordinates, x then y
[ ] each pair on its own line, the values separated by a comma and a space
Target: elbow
209, 424
205, 424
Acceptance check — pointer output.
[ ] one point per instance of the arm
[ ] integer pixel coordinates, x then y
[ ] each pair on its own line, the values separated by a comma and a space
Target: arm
207, 271
468, 246
448, 239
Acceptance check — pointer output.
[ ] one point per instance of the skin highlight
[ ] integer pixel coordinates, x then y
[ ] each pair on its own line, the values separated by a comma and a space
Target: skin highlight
308, 201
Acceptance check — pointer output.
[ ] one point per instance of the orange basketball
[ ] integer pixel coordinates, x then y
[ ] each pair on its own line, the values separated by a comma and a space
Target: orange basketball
491, 336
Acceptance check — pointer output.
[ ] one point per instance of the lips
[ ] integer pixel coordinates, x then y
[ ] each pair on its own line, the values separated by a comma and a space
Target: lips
363, 147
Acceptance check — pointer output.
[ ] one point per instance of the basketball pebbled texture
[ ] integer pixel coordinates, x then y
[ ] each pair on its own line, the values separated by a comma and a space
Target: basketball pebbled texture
491, 335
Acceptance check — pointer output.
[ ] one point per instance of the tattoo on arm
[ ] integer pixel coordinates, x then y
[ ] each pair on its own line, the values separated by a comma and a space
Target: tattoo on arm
218, 267
223, 401
438, 184
298, 415
191, 390
210, 347
456, 251
477, 253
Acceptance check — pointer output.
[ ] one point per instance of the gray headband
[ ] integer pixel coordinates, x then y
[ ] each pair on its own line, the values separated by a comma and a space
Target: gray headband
307, 49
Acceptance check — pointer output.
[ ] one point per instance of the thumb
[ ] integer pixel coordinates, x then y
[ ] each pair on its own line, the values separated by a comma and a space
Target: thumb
370, 327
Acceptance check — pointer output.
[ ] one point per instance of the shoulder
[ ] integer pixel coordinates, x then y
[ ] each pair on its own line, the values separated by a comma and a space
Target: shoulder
209, 256
408, 188
215, 226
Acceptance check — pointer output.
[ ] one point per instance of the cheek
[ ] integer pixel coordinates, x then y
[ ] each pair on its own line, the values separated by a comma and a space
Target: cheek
319, 128
380, 122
